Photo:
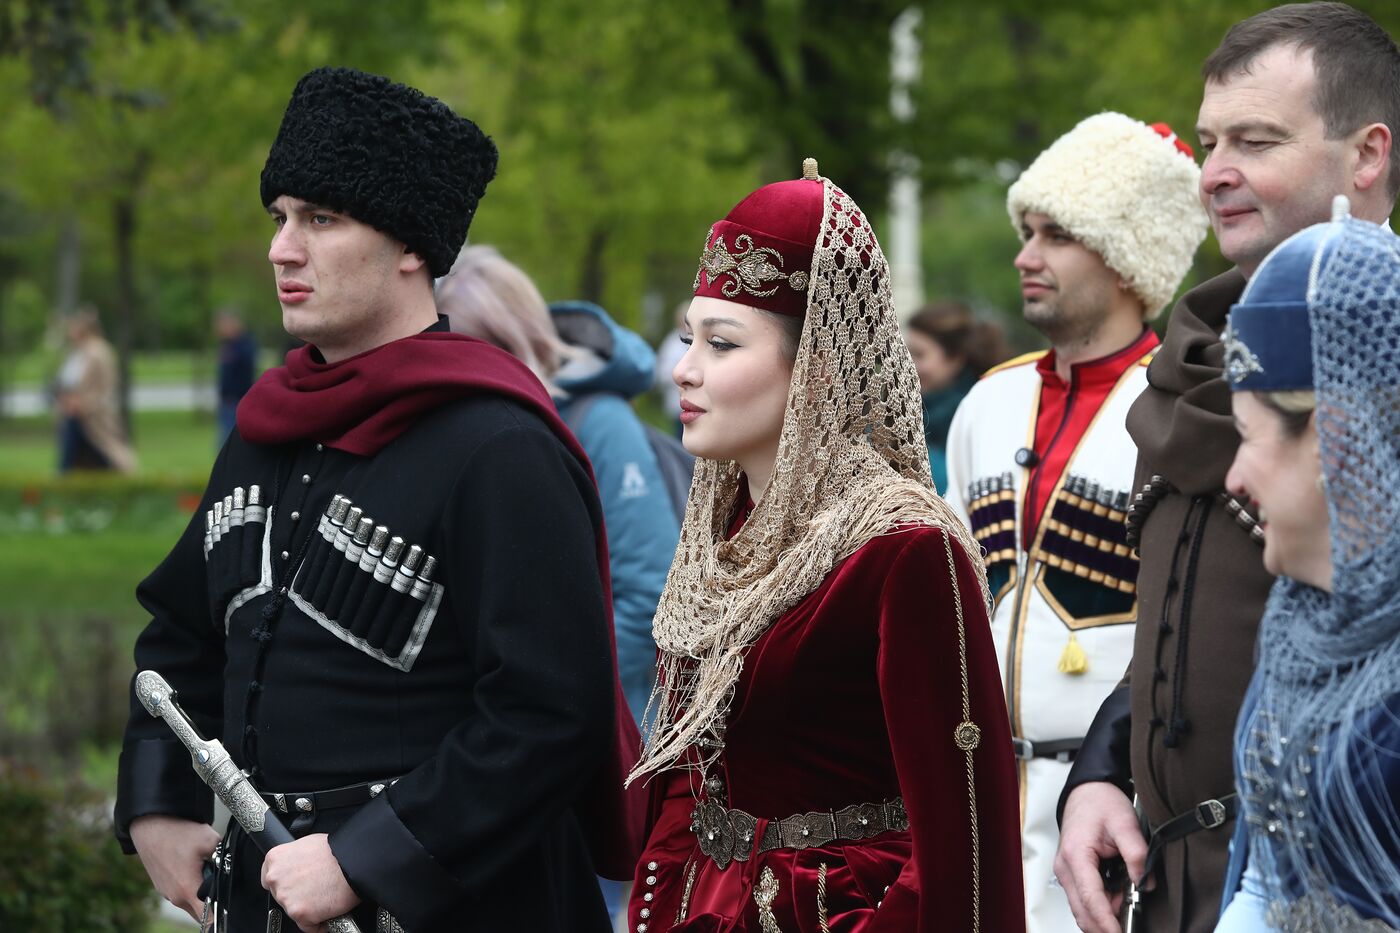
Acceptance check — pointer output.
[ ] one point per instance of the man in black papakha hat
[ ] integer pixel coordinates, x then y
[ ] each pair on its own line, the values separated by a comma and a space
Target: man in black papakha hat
392, 604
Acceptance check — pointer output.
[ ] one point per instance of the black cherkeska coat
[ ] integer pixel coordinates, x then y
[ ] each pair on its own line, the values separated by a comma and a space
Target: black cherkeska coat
491, 701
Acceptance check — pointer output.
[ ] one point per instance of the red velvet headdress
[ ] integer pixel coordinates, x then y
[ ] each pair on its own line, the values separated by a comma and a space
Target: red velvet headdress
760, 254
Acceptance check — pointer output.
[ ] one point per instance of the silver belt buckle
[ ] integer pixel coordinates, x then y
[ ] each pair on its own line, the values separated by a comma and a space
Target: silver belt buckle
1024, 749
1210, 813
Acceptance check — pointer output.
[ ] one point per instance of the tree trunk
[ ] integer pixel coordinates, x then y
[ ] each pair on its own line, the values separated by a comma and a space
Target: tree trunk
69, 271
124, 235
124, 227
591, 277
1024, 36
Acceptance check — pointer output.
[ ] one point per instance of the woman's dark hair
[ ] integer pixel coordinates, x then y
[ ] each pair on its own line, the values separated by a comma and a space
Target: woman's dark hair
791, 327
953, 326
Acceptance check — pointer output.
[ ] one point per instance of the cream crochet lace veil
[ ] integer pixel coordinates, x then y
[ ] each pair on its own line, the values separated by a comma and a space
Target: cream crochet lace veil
851, 465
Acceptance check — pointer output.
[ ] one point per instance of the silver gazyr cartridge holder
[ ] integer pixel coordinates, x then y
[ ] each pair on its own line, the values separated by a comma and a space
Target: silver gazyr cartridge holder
240, 504
403, 579
388, 565
356, 548
346, 530
255, 512
339, 512
377, 542
423, 585
324, 526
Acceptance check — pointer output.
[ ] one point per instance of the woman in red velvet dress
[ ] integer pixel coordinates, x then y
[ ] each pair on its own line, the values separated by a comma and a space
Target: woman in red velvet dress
828, 744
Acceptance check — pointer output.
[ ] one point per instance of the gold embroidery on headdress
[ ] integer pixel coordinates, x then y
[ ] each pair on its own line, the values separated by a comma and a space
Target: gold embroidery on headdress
749, 268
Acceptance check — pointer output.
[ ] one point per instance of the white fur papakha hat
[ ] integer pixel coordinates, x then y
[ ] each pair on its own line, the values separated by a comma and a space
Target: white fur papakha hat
1126, 190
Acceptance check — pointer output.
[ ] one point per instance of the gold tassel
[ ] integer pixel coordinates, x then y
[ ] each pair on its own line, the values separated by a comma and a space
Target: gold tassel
1073, 661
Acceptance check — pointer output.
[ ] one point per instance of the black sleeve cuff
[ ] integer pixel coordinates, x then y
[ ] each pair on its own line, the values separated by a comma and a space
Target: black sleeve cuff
1106, 754
155, 776
387, 865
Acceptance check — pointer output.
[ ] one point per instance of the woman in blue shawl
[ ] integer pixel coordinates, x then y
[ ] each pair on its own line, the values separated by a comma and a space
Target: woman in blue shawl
1312, 352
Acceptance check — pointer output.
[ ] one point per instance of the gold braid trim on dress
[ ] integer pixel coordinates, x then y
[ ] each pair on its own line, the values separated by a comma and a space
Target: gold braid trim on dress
764, 894
967, 736
852, 465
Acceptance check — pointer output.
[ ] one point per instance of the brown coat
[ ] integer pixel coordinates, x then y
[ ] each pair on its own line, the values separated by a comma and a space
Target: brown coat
1201, 593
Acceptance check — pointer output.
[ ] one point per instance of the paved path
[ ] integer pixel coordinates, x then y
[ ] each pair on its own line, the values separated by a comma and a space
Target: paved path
176, 397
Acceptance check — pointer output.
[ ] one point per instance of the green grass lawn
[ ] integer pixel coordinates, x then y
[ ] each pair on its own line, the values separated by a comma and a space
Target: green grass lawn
168, 443
68, 622
71, 553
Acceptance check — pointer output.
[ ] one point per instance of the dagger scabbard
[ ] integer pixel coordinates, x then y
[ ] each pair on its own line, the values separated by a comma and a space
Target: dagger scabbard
214, 765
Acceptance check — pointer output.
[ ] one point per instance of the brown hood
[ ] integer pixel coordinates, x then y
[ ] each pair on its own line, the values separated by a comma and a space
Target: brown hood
1181, 423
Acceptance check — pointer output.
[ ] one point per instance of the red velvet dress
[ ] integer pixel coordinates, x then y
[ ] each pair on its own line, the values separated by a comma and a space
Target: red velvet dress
852, 697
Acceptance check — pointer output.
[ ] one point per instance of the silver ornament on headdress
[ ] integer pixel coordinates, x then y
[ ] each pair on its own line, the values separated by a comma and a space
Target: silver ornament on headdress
1240, 361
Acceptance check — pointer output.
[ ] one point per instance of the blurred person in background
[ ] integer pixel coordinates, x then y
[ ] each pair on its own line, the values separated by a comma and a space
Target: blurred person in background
238, 366
1312, 356
90, 431
951, 349
668, 353
1039, 460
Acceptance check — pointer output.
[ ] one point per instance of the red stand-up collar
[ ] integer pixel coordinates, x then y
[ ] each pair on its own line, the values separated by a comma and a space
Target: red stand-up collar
1067, 409
1105, 370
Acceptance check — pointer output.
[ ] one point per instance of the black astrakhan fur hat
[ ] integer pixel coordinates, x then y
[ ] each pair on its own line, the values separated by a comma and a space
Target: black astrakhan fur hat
386, 154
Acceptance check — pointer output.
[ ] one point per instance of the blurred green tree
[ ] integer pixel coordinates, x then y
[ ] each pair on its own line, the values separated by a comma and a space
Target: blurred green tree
625, 128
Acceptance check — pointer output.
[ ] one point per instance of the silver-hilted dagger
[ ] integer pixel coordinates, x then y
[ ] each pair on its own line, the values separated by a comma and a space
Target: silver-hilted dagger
1133, 900
215, 767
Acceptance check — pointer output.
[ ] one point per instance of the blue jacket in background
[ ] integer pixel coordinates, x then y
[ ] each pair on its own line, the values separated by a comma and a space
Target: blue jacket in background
642, 528
238, 367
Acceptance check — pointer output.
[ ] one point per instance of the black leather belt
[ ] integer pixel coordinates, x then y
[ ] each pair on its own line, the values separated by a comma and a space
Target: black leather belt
307, 804
727, 835
1058, 749
1208, 814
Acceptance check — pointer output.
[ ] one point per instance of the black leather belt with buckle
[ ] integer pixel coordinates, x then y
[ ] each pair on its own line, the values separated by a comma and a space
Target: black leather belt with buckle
312, 801
1208, 814
728, 835
1058, 749
304, 806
